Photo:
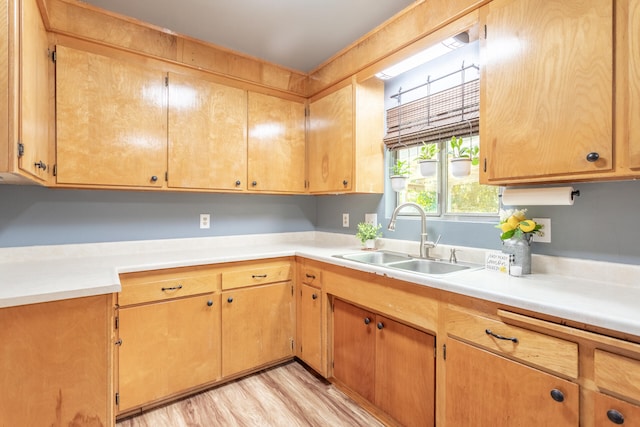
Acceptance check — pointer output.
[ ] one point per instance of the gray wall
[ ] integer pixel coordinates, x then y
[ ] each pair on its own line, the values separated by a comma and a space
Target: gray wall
41, 216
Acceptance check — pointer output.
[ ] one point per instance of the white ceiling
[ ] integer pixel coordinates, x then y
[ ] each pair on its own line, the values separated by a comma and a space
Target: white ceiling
299, 34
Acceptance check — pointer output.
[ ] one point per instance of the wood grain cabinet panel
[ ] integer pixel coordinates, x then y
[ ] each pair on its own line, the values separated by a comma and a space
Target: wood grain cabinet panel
276, 144
547, 88
207, 134
634, 83
310, 337
610, 412
486, 390
111, 121
616, 373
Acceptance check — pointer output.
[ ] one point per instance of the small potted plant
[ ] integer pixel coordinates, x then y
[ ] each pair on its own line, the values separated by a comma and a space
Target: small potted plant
462, 157
517, 232
367, 234
428, 160
399, 175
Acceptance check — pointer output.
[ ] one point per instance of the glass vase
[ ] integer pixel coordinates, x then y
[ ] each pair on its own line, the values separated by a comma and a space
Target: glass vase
520, 248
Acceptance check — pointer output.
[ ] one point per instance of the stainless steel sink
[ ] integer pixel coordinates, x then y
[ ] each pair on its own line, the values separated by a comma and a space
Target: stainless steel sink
427, 266
407, 263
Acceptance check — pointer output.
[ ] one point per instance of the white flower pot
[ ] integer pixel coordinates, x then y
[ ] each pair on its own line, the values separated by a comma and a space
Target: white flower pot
460, 167
428, 167
369, 244
399, 182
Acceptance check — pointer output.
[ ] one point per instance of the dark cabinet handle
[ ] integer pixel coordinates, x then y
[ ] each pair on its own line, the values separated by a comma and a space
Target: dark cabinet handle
314, 296
230, 299
592, 157
173, 288
254, 183
238, 183
380, 325
367, 320
615, 416
41, 165
310, 276
345, 182
259, 276
154, 178
557, 395
209, 303
500, 337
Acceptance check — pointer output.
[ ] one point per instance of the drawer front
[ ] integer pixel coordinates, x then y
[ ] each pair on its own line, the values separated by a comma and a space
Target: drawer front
617, 373
311, 276
164, 288
534, 348
257, 274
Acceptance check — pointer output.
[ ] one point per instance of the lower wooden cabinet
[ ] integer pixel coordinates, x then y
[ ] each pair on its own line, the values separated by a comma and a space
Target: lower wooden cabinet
310, 313
167, 347
258, 326
484, 389
55, 363
388, 363
609, 411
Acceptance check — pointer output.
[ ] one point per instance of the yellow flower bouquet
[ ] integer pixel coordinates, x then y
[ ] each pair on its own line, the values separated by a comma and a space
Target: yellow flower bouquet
514, 224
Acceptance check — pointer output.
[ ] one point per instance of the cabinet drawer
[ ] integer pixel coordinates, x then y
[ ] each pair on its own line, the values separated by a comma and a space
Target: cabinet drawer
256, 274
616, 373
136, 290
310, 276
533, 348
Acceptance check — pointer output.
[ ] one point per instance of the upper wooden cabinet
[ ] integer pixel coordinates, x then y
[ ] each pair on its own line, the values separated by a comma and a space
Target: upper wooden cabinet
111, 121
345, 150
547, 90
276, 144
24, 93
207, 134
633, 90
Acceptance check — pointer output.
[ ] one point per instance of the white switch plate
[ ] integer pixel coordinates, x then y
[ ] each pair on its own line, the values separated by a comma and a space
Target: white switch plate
546, 230
205, 220
345, 219
371, 218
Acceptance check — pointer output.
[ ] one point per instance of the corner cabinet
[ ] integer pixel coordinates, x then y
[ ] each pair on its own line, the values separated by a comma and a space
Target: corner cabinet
207, 134
547, 90
111, 121
345, 150
24, 94
310, 306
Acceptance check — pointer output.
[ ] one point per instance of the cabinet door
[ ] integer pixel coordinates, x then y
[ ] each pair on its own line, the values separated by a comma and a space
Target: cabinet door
405, 373
310, 327
331, 142
34, 92
257, 326
609, 411
483, 389
55, 363
166, 348
354, 348
111, 121
207, 134
634, 84
276, 144
547, 86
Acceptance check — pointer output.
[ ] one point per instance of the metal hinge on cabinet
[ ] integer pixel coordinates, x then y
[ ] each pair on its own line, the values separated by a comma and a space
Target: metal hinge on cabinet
55, 170
20, 149
306, 111
435, 349
292, 344
166, 176
444, 351
485, 31
117, 398
166, 81
117, 322
54, 55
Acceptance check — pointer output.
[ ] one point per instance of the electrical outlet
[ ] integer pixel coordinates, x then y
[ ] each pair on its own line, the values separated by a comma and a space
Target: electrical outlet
546, 230
371, 218
205, 220
345, 219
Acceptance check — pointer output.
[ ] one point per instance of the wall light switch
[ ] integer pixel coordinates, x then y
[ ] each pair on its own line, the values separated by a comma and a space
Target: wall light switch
546, 230
371, 218
345, 219
205, 220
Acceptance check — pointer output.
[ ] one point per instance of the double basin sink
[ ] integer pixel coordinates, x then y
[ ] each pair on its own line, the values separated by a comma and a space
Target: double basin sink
408, 263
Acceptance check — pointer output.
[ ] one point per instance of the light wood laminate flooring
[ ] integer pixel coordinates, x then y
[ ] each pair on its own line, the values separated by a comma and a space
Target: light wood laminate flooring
285, 396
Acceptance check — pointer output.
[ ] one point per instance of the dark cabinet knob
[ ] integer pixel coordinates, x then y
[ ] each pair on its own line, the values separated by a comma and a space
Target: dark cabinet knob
230, 299
380, 325
615, 416
367, 320
238, 183
345, 182
592, 157
209, 303
154, 178
314, 296
41, 165
254, 183
557, 395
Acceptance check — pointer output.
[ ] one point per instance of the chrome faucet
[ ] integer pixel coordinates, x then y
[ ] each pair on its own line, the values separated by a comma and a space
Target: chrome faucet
425, 245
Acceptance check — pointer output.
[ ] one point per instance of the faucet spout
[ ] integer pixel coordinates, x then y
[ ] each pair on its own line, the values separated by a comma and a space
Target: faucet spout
424, 244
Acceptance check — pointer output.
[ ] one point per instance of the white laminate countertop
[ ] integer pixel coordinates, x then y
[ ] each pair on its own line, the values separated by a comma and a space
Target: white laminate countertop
596, 293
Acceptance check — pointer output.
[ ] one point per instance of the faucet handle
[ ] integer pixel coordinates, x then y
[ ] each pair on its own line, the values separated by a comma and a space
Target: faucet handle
452, 257
434, 244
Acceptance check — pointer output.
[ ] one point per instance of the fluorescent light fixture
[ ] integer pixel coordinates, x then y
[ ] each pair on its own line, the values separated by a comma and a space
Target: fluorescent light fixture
425, 56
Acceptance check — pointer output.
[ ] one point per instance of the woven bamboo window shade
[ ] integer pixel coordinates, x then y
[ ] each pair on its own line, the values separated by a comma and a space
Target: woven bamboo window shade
436, 117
